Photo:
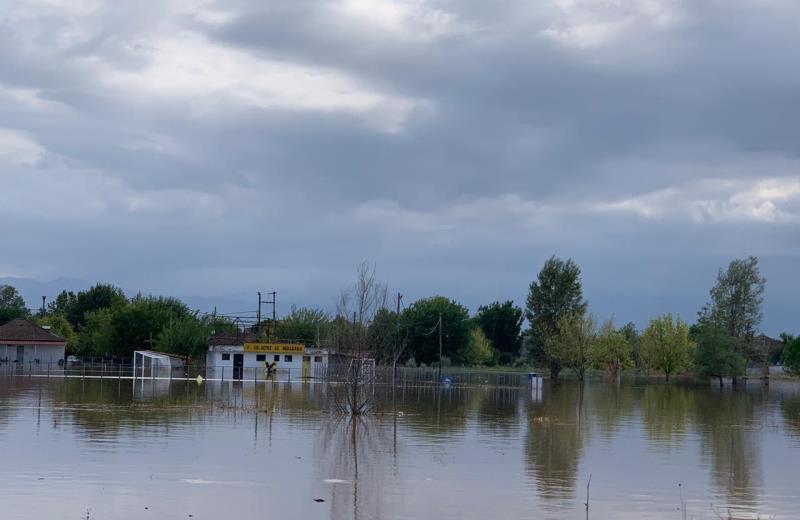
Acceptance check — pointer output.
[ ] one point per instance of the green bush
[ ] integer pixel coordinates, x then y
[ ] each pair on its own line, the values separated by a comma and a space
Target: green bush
791, 354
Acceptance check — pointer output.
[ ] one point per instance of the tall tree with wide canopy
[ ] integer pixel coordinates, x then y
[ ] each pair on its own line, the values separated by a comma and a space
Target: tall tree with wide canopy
382, 335
571, 344
186, 337
736, 298
62, 304
556, 293
501, 323
736, 301
667, 346
12, 305
420, 321
136, 326
304, 324
99, 296
716, 354
610, 350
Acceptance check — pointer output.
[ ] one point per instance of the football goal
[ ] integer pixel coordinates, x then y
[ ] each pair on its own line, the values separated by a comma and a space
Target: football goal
151, 365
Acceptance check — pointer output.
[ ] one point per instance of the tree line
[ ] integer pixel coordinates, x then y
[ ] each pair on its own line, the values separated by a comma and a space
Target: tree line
560, 333
102, 321
721, 343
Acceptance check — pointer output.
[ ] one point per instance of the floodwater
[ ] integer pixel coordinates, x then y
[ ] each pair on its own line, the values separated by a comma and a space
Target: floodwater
160, 450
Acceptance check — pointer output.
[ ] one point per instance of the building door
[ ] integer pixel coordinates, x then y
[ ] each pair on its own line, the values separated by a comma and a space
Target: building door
238, 366
306, 367
20, 353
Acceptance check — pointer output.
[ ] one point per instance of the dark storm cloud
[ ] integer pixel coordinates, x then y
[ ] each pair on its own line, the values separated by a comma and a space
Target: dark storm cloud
217, 147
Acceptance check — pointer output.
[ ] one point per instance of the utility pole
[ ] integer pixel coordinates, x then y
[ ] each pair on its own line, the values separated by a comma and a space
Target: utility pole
44, 298
258, 315
440, 347
274, 299
396, 352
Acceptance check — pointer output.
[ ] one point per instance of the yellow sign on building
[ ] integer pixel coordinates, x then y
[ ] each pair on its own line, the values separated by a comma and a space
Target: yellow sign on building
289, 348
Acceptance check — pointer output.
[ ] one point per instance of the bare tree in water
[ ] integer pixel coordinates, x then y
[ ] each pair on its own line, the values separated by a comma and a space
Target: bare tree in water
353, 374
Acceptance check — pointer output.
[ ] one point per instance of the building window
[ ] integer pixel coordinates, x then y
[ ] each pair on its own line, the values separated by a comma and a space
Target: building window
226, 357
317, 359
288, 359
261, 357
306, 359
276, 358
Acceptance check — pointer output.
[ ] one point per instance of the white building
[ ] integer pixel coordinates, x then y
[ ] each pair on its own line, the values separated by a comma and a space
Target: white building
241, 356
24, 342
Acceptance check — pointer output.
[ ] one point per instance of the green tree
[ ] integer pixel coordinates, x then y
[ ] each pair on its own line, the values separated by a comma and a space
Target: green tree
219, 324
501, 323
12, 306
610, 350
632, 337
185, 336
569, 347
60, 326
419, 324
716, 354
304, 324
736, 302
666, 345
479, 348
382, 335
136, 326
62, 303
791, 353
100, 296
557, 292
95, 335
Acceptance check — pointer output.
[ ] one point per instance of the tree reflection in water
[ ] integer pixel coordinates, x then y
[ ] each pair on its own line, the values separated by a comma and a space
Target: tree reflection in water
790, 410
554, 442
666, 414
729, 423
354, 455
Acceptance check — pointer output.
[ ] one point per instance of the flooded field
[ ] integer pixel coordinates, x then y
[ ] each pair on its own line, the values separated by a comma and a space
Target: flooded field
180, 450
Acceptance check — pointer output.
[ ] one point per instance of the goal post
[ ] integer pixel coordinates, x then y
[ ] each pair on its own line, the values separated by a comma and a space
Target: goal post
151, 365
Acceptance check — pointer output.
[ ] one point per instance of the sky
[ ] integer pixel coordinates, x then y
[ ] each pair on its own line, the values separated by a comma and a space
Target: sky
212, 149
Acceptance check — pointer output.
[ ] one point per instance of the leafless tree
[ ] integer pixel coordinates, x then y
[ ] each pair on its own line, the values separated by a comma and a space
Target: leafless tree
353, 374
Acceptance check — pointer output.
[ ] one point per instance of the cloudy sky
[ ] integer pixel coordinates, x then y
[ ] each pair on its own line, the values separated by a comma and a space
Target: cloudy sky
213, 149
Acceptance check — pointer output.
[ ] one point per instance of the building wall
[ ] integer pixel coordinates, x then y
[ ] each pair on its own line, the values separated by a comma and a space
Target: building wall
44, 353
256, 360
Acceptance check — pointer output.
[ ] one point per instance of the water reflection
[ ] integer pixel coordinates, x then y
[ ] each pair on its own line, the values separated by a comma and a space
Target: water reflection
424, 453
790, 410
667, 411
354, 457
730, 423
611, 406
555, 437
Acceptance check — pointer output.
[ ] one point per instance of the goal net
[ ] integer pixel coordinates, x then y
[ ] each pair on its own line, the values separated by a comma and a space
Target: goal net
151, 365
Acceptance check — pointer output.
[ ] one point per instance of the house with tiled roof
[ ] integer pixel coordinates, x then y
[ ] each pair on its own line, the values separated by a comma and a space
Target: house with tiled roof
23, 341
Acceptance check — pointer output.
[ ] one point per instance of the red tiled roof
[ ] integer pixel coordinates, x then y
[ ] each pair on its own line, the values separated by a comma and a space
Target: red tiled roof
21, 330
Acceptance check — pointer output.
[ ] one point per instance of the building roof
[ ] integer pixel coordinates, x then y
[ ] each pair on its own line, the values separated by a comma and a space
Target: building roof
232, 338
25, 331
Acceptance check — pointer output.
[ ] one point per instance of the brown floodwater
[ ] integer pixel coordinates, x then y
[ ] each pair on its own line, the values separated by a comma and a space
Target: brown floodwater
114, 450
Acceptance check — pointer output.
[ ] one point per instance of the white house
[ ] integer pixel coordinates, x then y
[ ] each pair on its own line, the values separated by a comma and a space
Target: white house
242, 356
23, 342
